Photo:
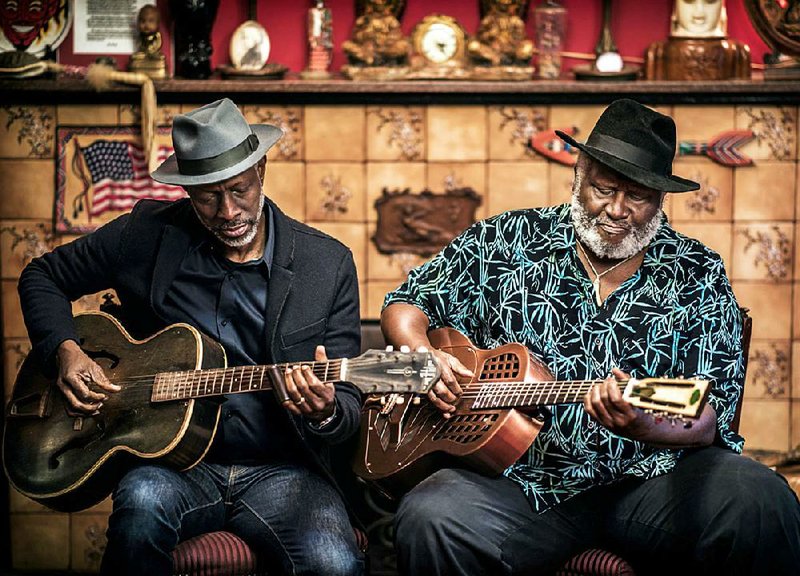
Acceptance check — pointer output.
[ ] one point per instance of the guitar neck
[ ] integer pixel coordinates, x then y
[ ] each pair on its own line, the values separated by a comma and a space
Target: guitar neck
217, 381
528, 394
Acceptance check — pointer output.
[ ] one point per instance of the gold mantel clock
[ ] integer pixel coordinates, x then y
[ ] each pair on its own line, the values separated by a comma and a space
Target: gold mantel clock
439, 39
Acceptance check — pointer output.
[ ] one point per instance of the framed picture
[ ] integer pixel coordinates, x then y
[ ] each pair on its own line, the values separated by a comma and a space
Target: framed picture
102, 172
250, 46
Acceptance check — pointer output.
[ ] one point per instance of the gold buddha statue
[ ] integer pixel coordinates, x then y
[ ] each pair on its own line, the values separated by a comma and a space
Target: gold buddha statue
377, 39
501, 39
698, 47
148, 59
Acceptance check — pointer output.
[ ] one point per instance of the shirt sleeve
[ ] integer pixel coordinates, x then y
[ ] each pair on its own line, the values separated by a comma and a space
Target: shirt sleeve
713, 349
446, 287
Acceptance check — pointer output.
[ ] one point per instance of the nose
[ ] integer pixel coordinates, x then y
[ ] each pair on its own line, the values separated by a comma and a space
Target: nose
227, 209
617, 207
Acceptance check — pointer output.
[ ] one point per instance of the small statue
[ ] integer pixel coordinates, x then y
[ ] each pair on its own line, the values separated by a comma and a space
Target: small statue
698, 47
320, 41
501, 38
377, 39
149, 58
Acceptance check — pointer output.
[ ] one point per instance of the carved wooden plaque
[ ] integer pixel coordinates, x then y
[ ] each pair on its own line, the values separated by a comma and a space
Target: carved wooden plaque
422, 223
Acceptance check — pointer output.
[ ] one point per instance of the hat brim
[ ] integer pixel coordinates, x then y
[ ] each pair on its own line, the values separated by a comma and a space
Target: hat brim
635, 173
168, 172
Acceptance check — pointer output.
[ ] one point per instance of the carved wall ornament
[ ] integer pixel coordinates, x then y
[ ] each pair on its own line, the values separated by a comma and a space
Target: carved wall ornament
405, 261
37, 239
336, 196
405, 131
776, 130
164, 114
452, 182
770, 370
36, 130
774, 251
17, 353
703, 200
288, 120
422, 223
525, 124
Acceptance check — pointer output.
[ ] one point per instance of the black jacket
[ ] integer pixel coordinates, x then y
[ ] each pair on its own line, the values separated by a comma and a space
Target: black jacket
313, 293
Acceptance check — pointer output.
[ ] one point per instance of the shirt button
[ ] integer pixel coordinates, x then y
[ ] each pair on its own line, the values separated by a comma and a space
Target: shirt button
224, 322
597, 343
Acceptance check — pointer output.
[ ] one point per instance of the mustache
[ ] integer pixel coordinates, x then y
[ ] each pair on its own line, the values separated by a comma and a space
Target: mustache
604, 219
233, 224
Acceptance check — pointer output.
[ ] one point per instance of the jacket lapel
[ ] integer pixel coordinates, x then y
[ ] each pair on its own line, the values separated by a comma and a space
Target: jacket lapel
281, 277
172, 251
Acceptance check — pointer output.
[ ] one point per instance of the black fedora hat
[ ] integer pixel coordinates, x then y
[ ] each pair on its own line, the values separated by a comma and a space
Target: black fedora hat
214, 143
637, 142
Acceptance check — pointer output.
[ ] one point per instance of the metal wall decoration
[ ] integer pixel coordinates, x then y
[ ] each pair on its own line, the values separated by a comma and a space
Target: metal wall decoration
422, 223
96, 539
774, 130
703, 200
405, 131
722, 148
36, 128
102, 173
771, 370
774, 251
288, 120
37, 28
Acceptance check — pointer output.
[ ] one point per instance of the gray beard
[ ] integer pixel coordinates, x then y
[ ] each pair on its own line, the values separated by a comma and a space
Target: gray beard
244, 240
586, 230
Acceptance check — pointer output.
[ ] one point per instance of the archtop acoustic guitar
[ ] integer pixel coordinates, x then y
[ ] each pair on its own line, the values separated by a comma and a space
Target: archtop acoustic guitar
403, 440
167, 411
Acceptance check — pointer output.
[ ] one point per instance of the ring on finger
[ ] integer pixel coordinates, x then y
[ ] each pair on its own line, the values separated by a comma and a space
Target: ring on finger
302, 399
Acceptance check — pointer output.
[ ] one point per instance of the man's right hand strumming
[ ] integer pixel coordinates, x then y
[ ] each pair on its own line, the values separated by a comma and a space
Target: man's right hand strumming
81, 379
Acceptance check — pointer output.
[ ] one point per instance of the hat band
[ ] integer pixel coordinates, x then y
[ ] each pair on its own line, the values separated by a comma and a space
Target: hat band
630, 153
200, 166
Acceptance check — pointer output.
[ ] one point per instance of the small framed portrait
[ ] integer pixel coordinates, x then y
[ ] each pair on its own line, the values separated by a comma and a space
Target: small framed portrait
249, 48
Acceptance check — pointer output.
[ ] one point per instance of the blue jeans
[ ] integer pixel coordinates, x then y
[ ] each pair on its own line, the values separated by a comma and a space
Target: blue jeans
716, 513
290, 515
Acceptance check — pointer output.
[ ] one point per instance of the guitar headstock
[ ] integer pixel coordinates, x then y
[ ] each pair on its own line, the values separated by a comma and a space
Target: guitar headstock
671, 396
385, 371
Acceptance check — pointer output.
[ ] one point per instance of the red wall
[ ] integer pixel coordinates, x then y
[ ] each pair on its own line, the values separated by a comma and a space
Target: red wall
635, 25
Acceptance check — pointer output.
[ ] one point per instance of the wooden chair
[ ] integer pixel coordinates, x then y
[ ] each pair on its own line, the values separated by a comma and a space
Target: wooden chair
225, 554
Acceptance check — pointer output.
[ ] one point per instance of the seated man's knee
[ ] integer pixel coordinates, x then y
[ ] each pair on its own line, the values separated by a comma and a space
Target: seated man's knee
340, 559
422, 512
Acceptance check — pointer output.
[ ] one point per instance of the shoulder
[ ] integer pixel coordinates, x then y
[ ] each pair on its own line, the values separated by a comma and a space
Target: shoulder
314, 241
688, 252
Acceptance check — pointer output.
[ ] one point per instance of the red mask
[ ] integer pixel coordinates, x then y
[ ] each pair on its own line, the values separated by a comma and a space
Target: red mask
23, 21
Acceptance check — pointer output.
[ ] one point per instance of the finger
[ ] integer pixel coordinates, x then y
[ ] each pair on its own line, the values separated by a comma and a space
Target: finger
74, 401
80, 387
459, 368
308, 385
443, 392
447, 409
99, 377
600, 411
320, 355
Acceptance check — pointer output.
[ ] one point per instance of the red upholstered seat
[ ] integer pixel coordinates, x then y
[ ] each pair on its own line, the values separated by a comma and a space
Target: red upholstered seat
595, 562
215, 554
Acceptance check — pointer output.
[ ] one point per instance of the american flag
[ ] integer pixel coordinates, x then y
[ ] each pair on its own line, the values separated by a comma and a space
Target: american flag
120, 177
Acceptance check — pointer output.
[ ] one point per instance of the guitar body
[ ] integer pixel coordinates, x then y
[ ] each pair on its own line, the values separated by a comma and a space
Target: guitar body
402, 442
70, 461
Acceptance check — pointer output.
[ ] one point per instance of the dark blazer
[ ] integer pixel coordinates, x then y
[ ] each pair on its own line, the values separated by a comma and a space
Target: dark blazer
313, 293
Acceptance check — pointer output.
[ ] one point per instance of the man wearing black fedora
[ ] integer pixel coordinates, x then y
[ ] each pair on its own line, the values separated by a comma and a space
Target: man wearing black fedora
601, 289
271, 290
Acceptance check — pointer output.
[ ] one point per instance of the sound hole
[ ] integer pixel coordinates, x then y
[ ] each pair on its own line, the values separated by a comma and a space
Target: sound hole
501, 367
466, 428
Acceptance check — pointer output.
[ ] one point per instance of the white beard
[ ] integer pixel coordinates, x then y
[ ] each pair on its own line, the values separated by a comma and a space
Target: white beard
249, 235
586, 229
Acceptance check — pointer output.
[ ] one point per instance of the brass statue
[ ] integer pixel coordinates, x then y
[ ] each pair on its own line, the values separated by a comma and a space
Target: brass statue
377, 39
501, 39
148, 59
698, 47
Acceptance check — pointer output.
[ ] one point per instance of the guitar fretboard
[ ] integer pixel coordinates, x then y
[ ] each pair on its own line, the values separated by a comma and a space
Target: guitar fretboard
518, 394
217, 381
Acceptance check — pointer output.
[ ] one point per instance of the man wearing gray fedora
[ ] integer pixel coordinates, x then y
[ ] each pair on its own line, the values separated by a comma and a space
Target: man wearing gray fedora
271, 290
600, 289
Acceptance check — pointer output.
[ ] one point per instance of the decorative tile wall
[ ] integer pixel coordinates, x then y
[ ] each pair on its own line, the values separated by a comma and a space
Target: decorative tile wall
334, 163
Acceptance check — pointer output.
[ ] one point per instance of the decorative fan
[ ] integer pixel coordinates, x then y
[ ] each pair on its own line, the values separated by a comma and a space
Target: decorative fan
778, 23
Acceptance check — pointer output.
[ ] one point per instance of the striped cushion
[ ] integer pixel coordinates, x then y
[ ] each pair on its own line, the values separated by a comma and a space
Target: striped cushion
214, 554
596, 562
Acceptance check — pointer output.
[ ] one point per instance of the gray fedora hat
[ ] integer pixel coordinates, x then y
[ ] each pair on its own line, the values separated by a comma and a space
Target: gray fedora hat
637, 142
214, 143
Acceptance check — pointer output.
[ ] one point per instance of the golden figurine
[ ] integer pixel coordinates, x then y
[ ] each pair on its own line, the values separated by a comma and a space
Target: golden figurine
148, 59
501, 40
377, 42
698, 47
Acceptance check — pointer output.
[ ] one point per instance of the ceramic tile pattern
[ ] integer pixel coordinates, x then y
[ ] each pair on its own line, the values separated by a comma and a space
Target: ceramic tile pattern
333, 165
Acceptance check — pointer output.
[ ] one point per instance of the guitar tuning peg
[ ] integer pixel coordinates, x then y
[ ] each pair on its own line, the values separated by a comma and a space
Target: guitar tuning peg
416, 401
405, 349
400, 400
383, 400
390, 348
422, 349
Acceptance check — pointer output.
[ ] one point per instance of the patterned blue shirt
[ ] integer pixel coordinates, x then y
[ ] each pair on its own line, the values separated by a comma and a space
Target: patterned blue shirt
516, 277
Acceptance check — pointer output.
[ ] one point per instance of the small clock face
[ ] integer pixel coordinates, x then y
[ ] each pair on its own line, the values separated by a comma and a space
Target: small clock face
439, 39
439, 43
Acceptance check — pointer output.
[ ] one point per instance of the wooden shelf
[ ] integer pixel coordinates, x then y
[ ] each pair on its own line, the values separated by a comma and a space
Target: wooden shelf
341, 91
